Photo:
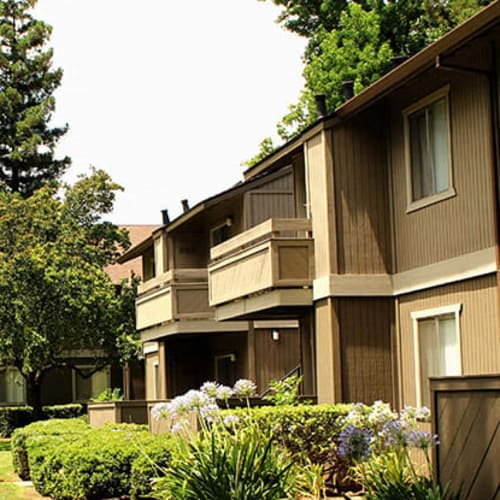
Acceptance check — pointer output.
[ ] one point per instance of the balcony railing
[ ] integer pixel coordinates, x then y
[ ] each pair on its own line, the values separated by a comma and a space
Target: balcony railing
175, 295
275, 254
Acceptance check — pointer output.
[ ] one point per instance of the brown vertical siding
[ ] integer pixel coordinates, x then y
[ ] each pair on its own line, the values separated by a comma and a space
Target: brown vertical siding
273, 199
464, 223
365, 331
190, 251
361, 195
274, 359
479, 334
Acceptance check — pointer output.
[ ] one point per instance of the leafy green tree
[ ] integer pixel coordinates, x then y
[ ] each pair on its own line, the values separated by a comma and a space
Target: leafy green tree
27, 84
356, 41
55, 297
354, 52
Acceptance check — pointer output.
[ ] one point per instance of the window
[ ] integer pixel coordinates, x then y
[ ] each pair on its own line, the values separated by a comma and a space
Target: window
428, 155
85, 388
437, 347
12, 386
225, 369
221, 233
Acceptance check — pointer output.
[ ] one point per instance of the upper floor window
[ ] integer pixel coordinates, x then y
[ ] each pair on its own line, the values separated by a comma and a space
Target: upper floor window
437, 347
428, 154
221, 232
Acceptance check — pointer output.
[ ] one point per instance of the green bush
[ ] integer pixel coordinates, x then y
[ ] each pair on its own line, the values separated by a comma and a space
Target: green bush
73, 410
151, 463
12, 417
95, 464
23, 439
309, 432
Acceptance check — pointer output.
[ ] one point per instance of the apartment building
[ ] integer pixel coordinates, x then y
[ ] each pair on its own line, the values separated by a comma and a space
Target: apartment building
364, 251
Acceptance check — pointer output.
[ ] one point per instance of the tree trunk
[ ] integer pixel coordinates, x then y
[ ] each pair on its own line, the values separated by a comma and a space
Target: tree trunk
34, 394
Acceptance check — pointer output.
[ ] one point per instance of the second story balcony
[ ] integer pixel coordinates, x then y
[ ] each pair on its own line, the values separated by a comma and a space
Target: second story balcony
263, 270
178, 294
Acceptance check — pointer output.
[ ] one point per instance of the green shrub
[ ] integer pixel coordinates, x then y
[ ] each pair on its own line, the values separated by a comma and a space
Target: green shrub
109, 395
285, 392
12, 417
95, 464
308, 432
23, 439
151, 463
73, 410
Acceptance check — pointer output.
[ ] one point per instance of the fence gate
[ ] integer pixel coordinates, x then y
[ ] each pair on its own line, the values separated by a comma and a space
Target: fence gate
466, 417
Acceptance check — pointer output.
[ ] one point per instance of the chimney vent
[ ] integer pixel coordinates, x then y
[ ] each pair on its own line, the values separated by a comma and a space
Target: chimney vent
320, 100
185, 205
348, 89
164, 216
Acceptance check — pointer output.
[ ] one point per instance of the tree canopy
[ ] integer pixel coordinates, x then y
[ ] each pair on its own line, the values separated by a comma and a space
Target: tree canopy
55, 297
356, 41
27, 84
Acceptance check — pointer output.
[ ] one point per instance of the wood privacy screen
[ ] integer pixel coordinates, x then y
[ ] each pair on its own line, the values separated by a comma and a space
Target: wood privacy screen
466, 417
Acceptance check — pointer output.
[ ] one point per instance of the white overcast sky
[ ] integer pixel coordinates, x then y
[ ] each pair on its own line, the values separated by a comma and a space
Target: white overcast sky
169, 96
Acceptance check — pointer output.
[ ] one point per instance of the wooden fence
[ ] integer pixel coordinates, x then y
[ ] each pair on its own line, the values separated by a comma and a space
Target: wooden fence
466, 417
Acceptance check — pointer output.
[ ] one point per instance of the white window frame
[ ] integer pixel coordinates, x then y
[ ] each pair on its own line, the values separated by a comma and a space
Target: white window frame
454, 309
436, 197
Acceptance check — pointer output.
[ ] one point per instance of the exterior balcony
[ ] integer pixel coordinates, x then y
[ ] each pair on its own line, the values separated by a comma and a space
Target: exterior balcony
178, 294
263, 272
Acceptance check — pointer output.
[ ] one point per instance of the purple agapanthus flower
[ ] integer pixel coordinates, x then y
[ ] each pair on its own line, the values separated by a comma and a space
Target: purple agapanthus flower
354, 443
395, 434
422, 440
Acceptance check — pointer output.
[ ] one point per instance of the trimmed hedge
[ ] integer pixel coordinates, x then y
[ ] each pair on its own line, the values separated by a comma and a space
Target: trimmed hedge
151, 463
72, 410
13, 417
307, 431
92, 463
23, 439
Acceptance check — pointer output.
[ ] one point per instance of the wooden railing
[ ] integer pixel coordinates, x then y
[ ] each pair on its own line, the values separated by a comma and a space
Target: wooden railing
271, 228
175, 295
275, 254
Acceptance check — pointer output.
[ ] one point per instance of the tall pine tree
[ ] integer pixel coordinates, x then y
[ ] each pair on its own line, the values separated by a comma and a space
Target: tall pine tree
27, 84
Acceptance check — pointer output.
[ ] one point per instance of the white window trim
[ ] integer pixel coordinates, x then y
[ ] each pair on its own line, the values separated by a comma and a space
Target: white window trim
411, 205
454, 309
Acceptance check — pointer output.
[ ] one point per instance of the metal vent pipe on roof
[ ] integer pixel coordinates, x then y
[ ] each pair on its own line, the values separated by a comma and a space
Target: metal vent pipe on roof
185, 205
320, 100
348, 89
165, 217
